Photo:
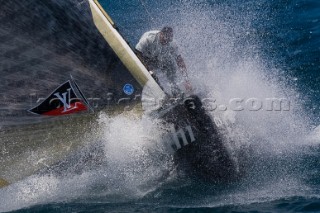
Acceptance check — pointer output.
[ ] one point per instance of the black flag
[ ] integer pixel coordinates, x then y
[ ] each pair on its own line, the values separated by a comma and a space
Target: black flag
64, 100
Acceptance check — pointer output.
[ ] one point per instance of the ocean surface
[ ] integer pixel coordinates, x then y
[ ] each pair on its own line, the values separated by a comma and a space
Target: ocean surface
233, 49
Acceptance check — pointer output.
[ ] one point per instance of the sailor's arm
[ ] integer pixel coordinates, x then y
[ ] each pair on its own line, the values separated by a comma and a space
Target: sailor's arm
141, 47
141, 50
182, 65
183, 69
179, 60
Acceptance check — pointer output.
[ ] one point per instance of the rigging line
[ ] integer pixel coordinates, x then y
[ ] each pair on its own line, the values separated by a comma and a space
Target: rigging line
146, 9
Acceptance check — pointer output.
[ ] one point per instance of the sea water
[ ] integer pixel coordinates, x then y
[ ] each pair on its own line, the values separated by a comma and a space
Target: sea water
233, 49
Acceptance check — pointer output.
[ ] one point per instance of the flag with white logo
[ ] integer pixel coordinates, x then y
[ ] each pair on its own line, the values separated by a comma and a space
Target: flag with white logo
66, 99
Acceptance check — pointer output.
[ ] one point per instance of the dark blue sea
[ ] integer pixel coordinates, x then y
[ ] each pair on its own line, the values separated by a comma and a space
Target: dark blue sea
232, 48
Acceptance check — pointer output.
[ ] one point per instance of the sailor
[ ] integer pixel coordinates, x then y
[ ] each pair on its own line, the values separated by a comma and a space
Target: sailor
159, 53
